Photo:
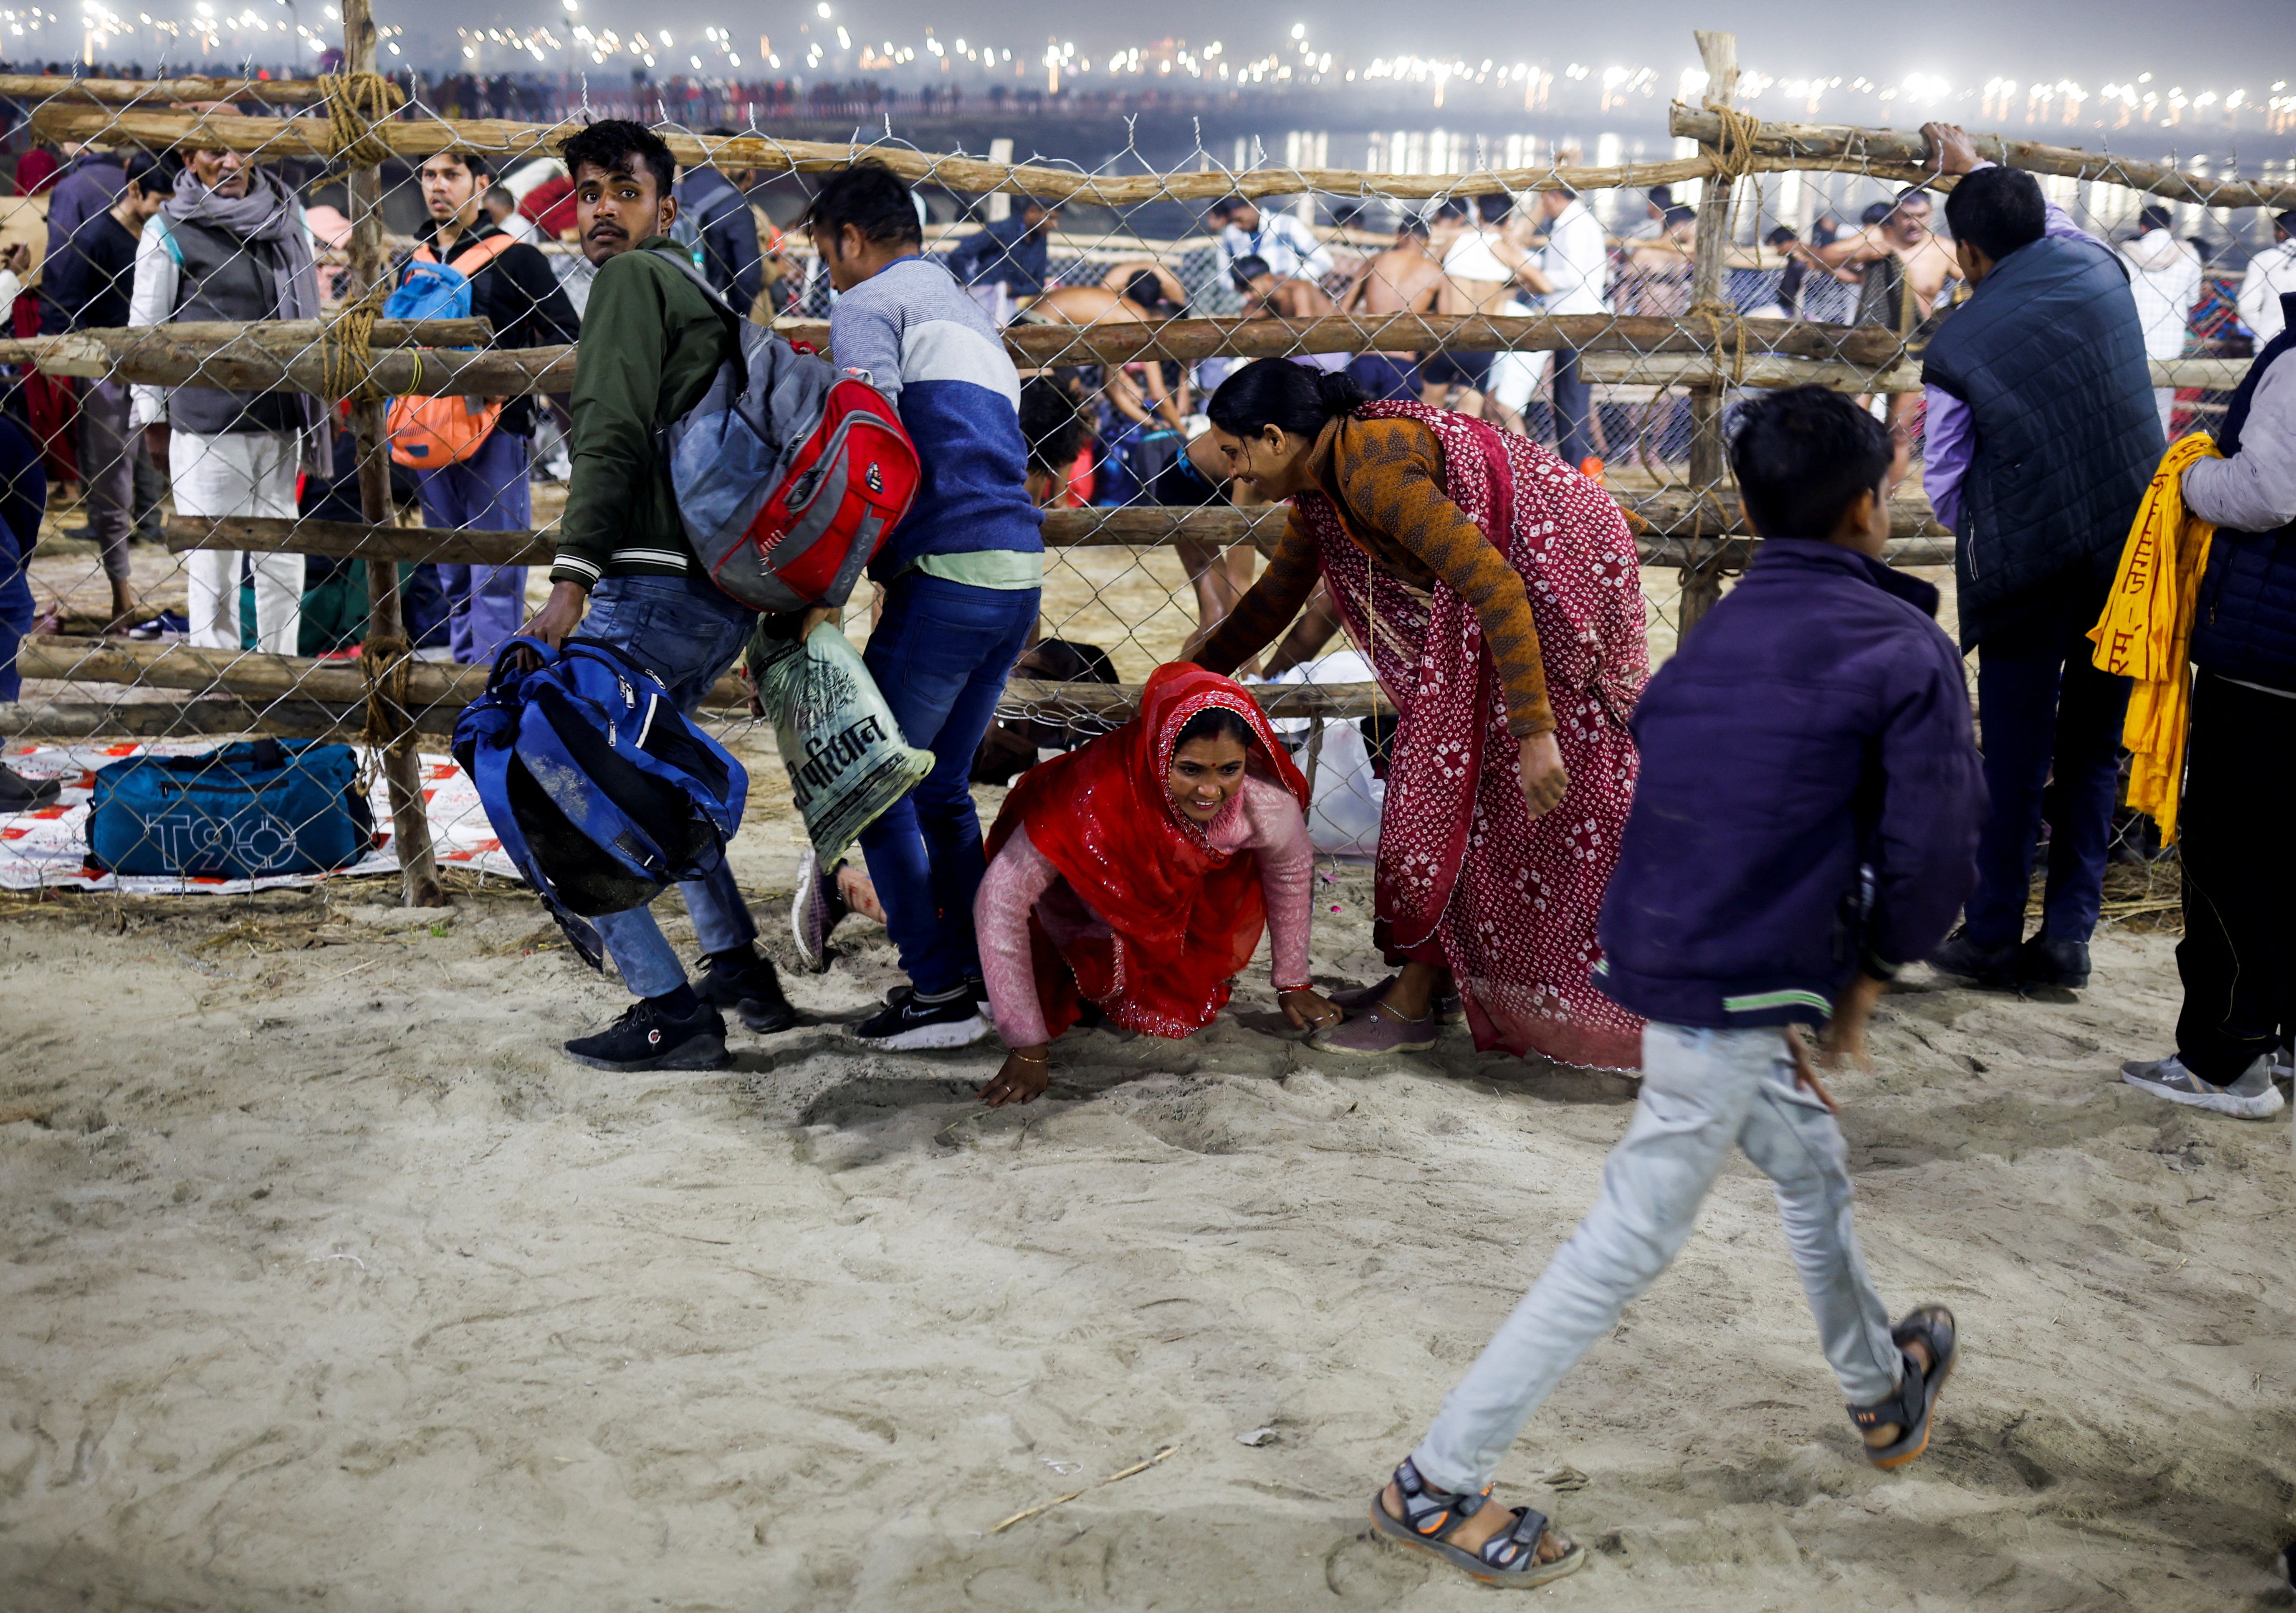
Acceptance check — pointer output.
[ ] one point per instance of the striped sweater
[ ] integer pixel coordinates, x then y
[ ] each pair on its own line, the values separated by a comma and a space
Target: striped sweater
1386, 478
929, 347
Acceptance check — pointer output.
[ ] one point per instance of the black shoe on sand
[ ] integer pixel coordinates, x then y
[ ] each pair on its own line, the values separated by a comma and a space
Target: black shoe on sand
648, 1037
19, 794
908, 1023
749, 985
2046, 962
1992, 967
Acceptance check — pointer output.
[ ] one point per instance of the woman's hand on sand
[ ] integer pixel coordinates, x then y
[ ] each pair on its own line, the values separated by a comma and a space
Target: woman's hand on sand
1544, 776
1309, 1009
1021, 1080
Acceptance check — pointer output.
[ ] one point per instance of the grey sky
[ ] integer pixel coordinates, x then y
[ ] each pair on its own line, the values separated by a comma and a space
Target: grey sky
2218, 44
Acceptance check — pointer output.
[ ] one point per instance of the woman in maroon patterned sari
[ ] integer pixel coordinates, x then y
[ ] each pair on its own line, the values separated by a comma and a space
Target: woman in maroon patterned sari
1497, 596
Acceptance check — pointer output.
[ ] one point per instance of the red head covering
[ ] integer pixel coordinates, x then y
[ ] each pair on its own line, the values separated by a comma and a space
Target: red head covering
1183, 916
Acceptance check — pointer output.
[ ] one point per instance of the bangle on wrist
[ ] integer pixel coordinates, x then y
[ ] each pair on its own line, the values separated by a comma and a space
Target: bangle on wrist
1044, 1058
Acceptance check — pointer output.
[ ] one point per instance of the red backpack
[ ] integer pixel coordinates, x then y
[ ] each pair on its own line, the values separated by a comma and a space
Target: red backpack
789, 473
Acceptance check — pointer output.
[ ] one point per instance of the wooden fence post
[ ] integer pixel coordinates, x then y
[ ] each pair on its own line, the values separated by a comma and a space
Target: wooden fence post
385, 624
1702, 581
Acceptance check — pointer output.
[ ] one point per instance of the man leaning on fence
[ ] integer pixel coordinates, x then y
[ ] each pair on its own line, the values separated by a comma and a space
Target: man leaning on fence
652, 341
231, 244
488, 491
2042, 439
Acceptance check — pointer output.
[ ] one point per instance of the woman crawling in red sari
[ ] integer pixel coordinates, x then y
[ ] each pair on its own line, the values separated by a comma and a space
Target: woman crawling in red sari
1136, 873
1497, 596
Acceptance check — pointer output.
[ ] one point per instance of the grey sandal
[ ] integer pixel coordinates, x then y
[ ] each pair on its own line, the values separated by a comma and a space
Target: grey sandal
1917, 1390
1509, 1558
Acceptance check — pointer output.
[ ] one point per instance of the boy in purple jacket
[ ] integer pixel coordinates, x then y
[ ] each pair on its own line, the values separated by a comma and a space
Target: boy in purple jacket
1806, 823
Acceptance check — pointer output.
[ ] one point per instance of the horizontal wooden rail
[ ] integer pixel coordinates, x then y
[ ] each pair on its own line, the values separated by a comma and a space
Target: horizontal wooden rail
54, 88
1894, 154
1904, 153
1664, 521
426, 137
112, 351
256, 361
1770, 370
250, 676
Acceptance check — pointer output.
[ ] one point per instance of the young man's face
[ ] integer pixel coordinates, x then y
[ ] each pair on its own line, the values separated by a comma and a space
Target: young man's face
499, 208
1244, 217
449, 189
614, 212
1552, 203
139, 204
225, 173
1910, 222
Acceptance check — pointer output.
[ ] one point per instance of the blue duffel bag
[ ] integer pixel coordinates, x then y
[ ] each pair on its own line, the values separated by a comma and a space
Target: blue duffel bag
257, 807
595, 784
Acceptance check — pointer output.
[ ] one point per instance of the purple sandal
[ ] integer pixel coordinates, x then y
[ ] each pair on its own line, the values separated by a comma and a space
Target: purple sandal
1450, 1007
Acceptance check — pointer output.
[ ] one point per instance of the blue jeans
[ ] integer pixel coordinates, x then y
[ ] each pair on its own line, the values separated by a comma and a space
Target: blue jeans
686, 633
939, 653
1574, 411
2050, 722
487, 492
16, 610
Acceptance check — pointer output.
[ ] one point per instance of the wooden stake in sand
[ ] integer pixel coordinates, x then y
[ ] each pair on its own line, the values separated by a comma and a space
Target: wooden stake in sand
1137, 1468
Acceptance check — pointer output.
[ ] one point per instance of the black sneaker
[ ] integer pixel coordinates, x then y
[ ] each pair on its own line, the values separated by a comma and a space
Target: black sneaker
19, 794
645, 1038
749, 986
907, 1023
1994, 967
2046, 962
815, 910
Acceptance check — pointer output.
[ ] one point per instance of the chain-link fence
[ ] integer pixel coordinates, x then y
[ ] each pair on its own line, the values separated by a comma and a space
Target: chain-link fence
271, 511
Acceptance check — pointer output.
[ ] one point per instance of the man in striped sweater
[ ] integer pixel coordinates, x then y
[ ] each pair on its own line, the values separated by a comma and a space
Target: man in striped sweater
962, 575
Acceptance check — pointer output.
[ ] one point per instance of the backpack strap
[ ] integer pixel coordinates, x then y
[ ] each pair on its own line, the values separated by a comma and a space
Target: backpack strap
685, 265
485, 250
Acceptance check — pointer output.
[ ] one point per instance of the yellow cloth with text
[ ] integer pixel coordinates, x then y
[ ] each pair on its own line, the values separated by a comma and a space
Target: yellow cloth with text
2146, 632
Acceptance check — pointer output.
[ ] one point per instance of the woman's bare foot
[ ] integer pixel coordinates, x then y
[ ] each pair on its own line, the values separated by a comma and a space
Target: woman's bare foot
1472, 1532
1890, 1433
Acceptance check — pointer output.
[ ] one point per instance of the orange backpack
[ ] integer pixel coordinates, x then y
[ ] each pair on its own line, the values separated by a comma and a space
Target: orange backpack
430, 433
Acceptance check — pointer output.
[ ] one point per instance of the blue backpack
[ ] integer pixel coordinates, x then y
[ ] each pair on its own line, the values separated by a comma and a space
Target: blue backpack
257, 807
433, 432
597, 786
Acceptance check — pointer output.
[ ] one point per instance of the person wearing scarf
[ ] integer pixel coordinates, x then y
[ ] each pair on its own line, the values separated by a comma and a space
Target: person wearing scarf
1497, 595
1136, 874
231, 244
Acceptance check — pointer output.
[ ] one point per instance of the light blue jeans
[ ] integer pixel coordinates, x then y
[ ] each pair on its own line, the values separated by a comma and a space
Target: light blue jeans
686, 633
1704, 1093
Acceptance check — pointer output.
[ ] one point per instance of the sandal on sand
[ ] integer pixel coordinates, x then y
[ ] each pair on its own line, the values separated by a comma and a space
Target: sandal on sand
1509, 1558
1917, 1390
1381, 1030
1450, 1009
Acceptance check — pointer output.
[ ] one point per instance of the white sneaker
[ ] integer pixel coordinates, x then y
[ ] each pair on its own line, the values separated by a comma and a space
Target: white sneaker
2252, 1097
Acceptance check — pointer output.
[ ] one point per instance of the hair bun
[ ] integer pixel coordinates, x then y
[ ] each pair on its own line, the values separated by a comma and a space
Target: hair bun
1339, 392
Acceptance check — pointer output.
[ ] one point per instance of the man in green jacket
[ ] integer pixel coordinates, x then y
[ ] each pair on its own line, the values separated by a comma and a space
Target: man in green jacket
651, 341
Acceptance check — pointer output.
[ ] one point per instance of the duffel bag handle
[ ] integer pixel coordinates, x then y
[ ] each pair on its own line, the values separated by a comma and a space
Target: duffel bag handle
504, 658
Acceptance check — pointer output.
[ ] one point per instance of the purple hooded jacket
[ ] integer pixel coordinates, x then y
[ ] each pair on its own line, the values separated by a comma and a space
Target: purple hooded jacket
1809, 799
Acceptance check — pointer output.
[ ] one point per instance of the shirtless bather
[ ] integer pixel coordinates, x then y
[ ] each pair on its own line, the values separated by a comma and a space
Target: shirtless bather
1405, 279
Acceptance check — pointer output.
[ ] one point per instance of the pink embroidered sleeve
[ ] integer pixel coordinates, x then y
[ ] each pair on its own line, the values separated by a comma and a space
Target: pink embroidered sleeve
1009, 891
1287, 874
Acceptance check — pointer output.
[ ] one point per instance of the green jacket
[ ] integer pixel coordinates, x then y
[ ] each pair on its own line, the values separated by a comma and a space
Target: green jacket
650, 343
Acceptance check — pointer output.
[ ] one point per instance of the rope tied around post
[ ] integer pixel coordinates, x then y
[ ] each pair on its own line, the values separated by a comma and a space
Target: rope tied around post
355, 103
387, 664
1733, 153
346, 350
1721, 318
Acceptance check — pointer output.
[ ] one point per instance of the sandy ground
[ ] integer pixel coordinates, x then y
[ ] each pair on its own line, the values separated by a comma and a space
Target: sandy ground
329, 1284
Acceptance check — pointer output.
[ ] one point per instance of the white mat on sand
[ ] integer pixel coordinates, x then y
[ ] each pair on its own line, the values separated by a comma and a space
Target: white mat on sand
48, 849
